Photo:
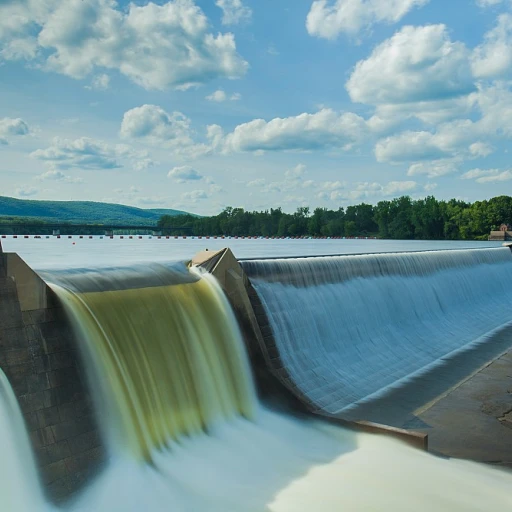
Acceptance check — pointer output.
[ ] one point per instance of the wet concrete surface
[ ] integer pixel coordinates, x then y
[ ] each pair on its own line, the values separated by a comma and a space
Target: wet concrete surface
473, 420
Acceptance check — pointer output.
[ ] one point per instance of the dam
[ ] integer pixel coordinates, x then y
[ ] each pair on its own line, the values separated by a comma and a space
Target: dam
249, 384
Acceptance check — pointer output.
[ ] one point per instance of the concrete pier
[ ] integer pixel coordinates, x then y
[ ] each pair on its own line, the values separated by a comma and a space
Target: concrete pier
39, 355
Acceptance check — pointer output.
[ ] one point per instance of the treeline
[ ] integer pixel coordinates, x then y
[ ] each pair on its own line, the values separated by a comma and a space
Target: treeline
401, 218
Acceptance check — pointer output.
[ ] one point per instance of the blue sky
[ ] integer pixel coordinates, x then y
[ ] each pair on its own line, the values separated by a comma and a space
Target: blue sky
202, 104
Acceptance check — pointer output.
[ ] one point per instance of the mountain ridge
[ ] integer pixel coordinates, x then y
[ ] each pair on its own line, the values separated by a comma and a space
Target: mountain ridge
81, 212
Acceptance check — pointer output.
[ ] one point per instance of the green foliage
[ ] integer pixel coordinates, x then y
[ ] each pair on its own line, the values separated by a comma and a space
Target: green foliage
401, 218
79, 212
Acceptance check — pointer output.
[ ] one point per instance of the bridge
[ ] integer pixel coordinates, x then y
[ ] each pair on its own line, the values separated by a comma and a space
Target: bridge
86, 229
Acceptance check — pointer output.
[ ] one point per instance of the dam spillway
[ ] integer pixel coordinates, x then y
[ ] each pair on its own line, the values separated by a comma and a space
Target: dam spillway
196, 437
407, 320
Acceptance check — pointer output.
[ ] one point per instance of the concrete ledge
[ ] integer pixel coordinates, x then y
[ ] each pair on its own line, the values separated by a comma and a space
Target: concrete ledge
40, 357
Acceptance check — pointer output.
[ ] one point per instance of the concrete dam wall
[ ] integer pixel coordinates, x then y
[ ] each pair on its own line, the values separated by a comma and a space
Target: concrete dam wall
42, 354
39, 354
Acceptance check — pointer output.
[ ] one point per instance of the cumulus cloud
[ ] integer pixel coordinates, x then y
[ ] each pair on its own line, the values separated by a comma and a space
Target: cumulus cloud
454, 139
155, 46
10, 127
26, 191
99, 83
488, 175
328, 18
434, 168
54, 175
220, 96
493, 58
374, 189
409, 146
488, 3
195, 195
325, 129
184, 173
480, 149
153, 125
417, 64
233, 11
298, 171
428, 187
256, 183
83, 153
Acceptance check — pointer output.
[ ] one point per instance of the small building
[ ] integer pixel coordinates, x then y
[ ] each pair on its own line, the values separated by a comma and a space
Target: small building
504, 233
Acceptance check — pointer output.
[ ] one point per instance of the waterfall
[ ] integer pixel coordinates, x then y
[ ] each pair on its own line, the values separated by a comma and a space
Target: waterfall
186, 433
351, 329
164, 348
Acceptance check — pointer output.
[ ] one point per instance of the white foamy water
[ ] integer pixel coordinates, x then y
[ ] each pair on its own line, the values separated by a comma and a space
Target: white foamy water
274, 464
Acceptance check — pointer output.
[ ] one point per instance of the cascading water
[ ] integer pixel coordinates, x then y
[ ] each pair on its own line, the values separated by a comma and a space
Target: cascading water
352, 329
166, 355
187, 434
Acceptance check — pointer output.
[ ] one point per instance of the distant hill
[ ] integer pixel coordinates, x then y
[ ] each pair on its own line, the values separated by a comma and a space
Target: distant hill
80, 212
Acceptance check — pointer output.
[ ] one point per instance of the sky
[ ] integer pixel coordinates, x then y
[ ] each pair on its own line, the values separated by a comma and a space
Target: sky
202, 104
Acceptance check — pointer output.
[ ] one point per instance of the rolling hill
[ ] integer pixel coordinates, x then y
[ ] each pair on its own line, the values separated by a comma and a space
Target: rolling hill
80, 212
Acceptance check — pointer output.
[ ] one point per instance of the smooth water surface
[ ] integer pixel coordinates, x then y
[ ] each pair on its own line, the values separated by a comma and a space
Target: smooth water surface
99, 251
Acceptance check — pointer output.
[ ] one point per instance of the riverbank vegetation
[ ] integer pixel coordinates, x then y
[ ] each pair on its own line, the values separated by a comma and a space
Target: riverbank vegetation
400, 218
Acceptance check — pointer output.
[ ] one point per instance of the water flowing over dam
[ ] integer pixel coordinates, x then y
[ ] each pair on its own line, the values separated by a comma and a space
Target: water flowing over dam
351, 329
173, 391
166, 355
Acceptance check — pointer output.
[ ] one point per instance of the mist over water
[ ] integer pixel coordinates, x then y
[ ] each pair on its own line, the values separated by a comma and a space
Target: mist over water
185, 431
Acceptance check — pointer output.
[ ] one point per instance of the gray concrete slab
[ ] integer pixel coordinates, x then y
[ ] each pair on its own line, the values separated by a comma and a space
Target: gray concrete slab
474, 419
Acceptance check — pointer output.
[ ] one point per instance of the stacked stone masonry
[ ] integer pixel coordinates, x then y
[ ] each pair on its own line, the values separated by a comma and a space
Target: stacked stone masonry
38, 354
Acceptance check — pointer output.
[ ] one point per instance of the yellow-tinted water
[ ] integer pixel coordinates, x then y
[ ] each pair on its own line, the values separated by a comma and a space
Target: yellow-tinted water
167, 358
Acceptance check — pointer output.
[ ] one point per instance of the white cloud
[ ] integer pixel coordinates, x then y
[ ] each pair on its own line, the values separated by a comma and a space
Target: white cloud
99, 83
298, 171
417, 64
153, 125
488, 3
272, 50
184, 173
493, 58
429, 187
195, 195
333, 185
455, 139
10, 127
480, 149
26, 191
256, 183
434, 168
328, 18
83, 153
487, 176
155, 46
325, 129
55, 175
373, 189
143, 164
233, 11
409, 146
219, 96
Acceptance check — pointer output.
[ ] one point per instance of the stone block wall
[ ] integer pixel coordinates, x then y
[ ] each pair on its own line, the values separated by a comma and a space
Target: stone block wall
39, 355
